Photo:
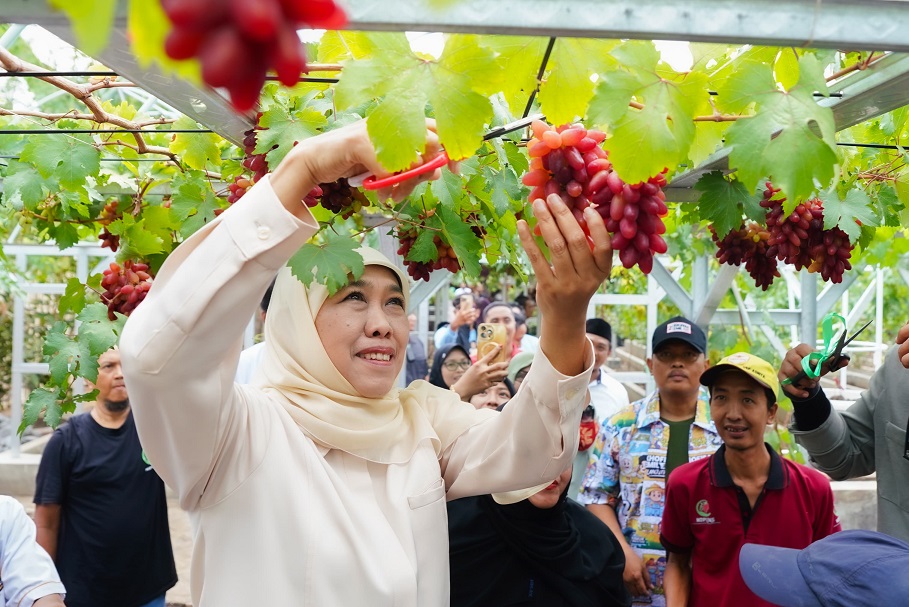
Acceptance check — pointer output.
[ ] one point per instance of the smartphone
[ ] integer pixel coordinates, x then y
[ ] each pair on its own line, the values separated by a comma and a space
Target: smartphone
488, 336
466, 303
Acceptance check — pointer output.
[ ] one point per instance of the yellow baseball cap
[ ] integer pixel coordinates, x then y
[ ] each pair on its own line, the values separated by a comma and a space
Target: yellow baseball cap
758, 369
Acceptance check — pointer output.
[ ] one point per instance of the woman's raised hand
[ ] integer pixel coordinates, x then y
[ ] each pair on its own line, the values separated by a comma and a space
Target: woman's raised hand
566, 282
344, 152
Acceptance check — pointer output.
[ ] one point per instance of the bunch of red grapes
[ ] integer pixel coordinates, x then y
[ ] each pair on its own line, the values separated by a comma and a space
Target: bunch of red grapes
420, 270
109, 215
798, 238
750, 244
254, 162
238, 41
125, 287
336, 197
568, 161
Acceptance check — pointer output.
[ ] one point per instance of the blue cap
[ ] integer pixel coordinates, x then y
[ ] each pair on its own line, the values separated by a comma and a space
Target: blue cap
847, 569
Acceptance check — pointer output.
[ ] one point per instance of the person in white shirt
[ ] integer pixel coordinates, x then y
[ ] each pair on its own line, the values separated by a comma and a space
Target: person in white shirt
28, 577
607, 395
325, 484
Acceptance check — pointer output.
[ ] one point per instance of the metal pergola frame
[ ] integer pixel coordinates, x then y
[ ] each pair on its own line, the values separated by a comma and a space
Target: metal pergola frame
837, 24
89, 259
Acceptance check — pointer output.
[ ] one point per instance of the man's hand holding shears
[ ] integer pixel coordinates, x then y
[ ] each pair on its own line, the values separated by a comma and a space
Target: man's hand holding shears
803, 367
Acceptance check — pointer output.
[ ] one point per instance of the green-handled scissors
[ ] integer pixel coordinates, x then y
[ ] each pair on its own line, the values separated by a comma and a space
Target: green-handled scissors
813, 363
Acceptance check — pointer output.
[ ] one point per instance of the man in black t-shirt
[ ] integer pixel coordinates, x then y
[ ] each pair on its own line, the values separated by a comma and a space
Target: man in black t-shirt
101, 510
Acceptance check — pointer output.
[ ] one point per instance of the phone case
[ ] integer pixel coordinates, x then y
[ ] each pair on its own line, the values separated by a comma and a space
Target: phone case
488, 335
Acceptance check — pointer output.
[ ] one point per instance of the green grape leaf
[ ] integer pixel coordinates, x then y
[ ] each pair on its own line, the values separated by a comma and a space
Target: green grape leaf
97, 331
25, 185
406, 83
337, 46
424, 248
62, 353
660, 135
88, 364
73, 298
708, 138
461, 138
791, 139
397, 129
517, 160
330, 264
449, 190
610, 99
721, 202
786, 68
844, 214
811, 74
901, 187
139, 242
197, 150
637, 54
39, 399
283, 128
750, 81
464, 57
92, 21
566, 91
64, 234
70, 159
458, 234
519, 58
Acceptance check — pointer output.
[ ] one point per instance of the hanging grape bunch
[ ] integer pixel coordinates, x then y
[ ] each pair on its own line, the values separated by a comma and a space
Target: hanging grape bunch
750, 244
125, 287
568, 161
339, 198
238, 41
258, 165
420, 270
109, 215
798, 238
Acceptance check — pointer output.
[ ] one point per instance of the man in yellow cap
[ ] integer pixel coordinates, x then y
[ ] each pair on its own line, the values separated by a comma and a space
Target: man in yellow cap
744, 493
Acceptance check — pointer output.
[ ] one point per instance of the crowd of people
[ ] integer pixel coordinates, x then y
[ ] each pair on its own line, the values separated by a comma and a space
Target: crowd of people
312, 478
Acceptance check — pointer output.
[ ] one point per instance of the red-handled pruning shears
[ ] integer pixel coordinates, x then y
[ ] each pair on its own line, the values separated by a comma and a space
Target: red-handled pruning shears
370, 182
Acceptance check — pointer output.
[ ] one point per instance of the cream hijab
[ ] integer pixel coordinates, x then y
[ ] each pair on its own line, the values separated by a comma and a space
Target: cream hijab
298, 373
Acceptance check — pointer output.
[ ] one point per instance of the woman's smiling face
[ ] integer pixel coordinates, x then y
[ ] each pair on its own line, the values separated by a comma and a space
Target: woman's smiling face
364, 330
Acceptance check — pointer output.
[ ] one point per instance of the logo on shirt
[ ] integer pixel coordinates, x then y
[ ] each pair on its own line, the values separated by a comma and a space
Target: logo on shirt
147, 463
704, 516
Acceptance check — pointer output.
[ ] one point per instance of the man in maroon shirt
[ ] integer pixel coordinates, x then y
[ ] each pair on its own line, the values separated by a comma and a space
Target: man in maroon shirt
743, 493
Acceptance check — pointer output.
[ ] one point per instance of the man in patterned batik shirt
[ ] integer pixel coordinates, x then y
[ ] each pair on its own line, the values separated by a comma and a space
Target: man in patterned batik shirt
638, 448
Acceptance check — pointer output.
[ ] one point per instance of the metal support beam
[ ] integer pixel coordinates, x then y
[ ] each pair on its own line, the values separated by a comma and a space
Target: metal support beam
808, 325
862, 24
833, 292
673, 289
423, 290
718, 289
774, 317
